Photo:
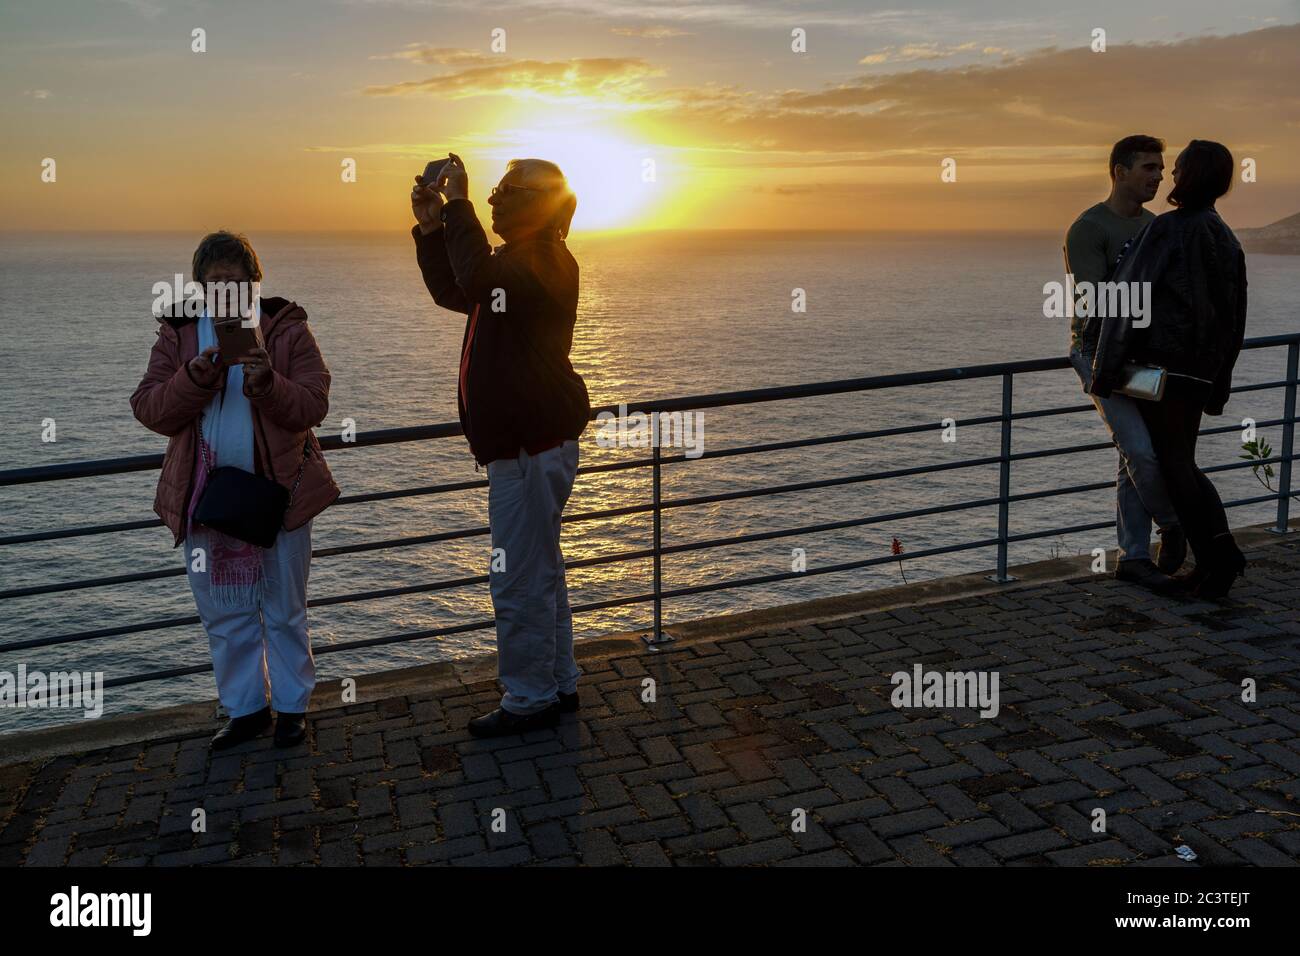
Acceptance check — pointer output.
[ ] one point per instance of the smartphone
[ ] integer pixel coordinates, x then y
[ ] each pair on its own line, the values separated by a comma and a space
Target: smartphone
236, 340
432, 171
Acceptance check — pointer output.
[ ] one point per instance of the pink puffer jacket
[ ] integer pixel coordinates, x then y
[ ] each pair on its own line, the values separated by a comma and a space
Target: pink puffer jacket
169, 401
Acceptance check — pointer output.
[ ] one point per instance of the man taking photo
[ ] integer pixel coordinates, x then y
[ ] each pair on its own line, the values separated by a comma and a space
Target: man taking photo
522, 407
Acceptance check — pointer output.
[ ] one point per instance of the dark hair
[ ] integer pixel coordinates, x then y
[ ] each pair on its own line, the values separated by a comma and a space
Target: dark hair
223, 246
1124, 153
1205, 171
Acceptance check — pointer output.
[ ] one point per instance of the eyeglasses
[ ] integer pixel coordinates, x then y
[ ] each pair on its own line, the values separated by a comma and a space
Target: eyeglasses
508, 188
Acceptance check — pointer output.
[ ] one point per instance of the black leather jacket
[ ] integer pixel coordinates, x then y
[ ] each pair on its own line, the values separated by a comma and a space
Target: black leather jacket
1197, 304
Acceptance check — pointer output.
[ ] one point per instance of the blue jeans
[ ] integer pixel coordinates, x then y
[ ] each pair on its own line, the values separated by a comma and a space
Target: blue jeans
526, 497
1140, 493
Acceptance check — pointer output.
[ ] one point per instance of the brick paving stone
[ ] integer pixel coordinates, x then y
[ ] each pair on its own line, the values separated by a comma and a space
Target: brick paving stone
916, 850
901, 824
1106, 851
976, 831
865, 846
1027, 844
646, 854
1259, 853
1111, 698
767, 851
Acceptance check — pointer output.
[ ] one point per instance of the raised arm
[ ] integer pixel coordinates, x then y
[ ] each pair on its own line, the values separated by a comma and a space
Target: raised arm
477, 270
435, 269
431, 251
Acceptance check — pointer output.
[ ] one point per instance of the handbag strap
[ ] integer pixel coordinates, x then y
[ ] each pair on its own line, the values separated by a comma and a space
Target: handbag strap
306, 453
203, 445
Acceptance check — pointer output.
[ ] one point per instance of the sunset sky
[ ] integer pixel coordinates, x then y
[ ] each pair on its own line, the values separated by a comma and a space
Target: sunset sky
743, 133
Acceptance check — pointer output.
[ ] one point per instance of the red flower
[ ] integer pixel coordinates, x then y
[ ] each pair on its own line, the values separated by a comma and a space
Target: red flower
897, 547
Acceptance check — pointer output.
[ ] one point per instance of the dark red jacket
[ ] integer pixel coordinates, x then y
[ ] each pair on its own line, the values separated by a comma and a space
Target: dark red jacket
522, 390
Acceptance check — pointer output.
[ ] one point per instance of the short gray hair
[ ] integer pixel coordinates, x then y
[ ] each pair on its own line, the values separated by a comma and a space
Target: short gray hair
543, 174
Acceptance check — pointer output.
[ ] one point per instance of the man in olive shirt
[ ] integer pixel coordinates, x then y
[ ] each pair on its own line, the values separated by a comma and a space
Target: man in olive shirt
1092, 246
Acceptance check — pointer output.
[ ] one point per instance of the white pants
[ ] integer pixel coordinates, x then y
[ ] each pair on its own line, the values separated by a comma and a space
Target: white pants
526, 496
256, 651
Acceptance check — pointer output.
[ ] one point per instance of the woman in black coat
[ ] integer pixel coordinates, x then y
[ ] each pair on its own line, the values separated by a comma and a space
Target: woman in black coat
1197, 321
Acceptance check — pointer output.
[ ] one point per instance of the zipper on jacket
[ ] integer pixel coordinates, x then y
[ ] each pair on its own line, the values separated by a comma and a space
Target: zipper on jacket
189, 490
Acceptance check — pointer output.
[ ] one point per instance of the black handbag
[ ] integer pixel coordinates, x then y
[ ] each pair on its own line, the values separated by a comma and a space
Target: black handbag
243, 505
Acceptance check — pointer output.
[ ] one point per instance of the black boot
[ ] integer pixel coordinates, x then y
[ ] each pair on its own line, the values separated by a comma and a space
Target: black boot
1172, 550
240, 729
1226, 564
568, 702
1144, 574
290, 729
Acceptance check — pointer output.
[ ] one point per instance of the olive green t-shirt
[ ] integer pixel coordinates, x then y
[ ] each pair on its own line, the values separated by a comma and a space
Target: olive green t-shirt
1092, 245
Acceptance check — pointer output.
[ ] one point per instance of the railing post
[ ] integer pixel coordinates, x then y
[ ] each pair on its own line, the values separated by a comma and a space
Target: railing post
1288, 440
657, 636
1004, 483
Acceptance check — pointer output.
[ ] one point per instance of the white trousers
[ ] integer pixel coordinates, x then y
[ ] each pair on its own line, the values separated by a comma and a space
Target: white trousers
526, 496
264, 650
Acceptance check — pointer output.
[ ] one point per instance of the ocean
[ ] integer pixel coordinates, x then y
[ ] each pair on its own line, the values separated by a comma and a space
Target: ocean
660, 315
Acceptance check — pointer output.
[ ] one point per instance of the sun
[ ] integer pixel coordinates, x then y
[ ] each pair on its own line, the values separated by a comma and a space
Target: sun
616, 180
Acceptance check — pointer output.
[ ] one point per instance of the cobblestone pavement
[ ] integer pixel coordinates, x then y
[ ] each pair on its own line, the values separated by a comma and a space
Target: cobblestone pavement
1111, 698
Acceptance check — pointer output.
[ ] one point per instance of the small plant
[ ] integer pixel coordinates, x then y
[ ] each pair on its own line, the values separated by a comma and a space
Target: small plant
897, 549
1259, 450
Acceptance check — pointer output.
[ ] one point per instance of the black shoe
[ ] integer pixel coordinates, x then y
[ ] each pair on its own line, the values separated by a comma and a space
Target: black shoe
502, 723
1172, 550
240, 729
1144, 574
568, 702
290, 729
1225, 565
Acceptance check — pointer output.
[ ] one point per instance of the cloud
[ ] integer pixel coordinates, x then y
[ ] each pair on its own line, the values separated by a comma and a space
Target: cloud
616, 79
38, 94
437, 56
650, 33
744, 14
1234, 88
912, 52
1057, 108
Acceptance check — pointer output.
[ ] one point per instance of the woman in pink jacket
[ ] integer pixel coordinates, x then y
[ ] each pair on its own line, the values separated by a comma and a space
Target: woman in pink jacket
256, 416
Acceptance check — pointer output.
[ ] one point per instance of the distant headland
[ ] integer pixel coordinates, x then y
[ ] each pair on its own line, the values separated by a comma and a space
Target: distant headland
1281, 237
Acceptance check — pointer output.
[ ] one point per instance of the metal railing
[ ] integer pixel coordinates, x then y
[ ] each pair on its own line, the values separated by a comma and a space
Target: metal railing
657, 506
